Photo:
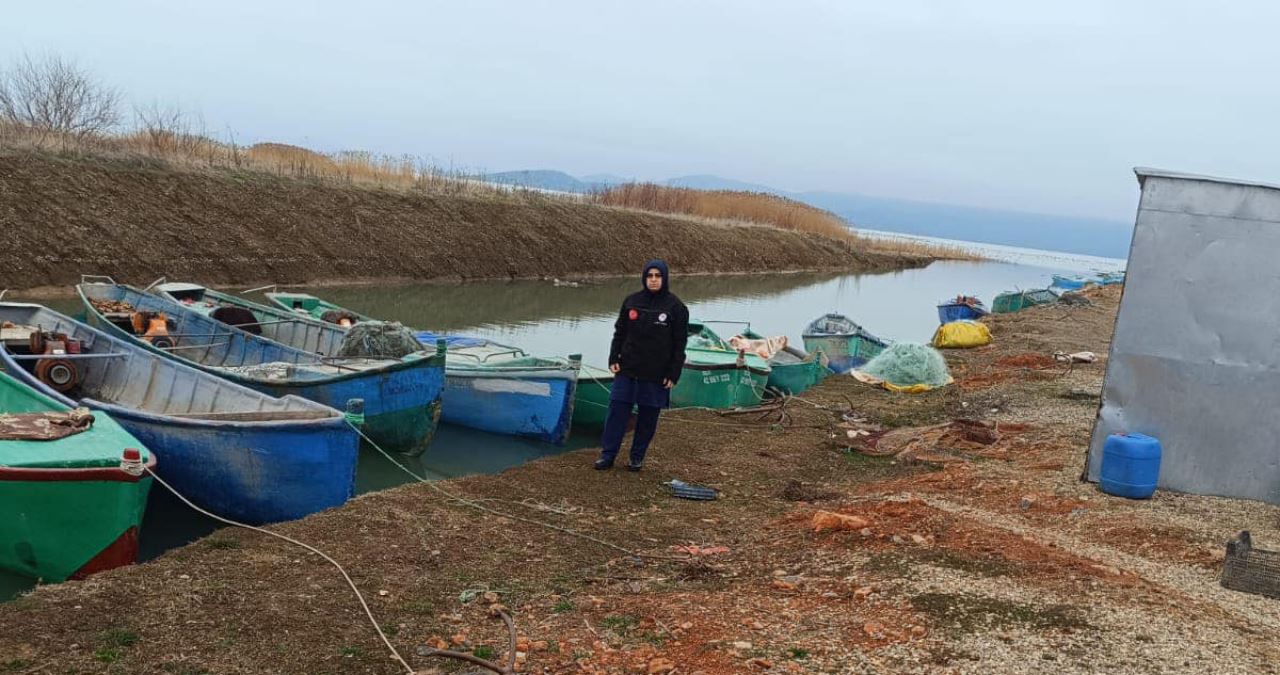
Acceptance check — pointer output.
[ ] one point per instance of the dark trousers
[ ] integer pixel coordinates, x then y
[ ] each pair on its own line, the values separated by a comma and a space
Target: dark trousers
615, 427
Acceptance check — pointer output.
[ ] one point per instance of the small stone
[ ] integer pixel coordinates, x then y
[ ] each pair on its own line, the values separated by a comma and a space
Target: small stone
181, 576
490, 597
918, 631
742, 646
497, 609
1026, 502
686, 625
826, 520
383, 594
919, 540
898, 540
660, 665
866, 532
863, 593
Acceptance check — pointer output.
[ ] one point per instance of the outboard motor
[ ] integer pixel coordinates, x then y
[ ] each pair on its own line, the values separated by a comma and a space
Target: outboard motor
59, 373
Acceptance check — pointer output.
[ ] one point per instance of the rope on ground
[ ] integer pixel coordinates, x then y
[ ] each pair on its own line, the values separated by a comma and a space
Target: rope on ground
480, 507
322, 554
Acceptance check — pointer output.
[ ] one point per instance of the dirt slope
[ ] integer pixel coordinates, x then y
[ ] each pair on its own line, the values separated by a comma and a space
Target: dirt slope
136, 220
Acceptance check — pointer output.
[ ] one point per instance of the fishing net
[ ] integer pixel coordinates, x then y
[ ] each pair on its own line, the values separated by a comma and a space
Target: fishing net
905, 364
379, 340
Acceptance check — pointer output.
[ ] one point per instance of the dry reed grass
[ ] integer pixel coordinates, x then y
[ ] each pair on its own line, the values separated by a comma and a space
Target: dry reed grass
751, 207
762, 209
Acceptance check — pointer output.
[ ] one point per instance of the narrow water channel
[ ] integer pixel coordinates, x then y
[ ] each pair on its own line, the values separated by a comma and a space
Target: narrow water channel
544, 317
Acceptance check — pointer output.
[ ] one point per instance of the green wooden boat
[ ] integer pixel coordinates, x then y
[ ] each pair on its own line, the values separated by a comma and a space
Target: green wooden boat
591, 400
317, 308
67, 508
793, 370
717, 376
1014, 301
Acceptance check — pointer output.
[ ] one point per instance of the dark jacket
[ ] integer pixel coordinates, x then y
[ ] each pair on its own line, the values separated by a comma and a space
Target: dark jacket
650, 334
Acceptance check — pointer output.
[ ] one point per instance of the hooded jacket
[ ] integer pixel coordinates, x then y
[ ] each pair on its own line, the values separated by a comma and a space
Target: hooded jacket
650, 333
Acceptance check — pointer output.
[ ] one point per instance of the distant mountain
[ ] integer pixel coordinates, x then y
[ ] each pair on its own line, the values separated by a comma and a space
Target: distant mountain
606, 179
709, 182
544, 179
1070, 234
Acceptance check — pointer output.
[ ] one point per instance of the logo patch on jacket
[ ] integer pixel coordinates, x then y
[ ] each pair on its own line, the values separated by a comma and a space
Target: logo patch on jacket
662, 316
633, 315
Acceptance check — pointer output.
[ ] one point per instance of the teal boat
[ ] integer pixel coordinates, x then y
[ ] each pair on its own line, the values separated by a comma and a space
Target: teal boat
488, 386
591, 402
717, 376
72, 506
1015, 301
843, 344
792, 370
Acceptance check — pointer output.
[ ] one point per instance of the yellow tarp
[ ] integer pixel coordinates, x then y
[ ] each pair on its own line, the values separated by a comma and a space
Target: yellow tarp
961, 335
901, 389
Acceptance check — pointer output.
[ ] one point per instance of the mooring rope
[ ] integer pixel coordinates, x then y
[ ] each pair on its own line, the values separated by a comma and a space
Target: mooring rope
322, 554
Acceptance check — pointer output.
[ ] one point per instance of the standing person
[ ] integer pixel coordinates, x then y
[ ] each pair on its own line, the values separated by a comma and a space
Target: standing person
646, 358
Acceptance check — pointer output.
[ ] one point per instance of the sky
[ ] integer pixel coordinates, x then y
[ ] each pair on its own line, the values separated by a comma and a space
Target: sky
1032, 106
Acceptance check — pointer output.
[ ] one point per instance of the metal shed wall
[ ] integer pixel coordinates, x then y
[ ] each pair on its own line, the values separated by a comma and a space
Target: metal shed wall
1195, 360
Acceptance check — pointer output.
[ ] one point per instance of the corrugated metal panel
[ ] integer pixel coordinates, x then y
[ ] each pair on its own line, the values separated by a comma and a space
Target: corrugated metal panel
1195, 360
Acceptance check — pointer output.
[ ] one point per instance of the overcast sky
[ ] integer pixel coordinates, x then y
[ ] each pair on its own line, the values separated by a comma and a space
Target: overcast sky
1019, 105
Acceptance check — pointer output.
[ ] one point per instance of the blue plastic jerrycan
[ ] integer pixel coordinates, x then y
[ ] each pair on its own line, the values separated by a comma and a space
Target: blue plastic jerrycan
1130, 465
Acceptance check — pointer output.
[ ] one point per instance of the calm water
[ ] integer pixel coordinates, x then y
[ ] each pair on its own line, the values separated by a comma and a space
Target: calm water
545, 318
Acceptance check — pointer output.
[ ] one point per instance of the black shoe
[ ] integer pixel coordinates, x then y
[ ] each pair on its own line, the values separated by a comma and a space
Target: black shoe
635, 466
603, 465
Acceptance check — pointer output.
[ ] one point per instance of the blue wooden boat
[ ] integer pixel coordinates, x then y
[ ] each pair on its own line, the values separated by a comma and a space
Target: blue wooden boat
962, 308
488, 385
232, 450
1069, 283
840, 343
401, 396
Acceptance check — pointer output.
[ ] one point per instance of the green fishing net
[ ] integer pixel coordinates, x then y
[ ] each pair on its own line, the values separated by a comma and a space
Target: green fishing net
905, 364
379, 340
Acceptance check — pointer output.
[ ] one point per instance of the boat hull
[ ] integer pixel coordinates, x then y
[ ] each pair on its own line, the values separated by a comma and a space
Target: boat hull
514, 403
843, 352
1006, 303
402, 406
719, 386
958, 311
591, 401
256, 472
794, 378
1068, 283
63, 524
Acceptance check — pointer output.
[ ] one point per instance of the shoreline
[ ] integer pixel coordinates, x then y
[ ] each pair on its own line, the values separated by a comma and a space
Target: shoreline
976, 549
